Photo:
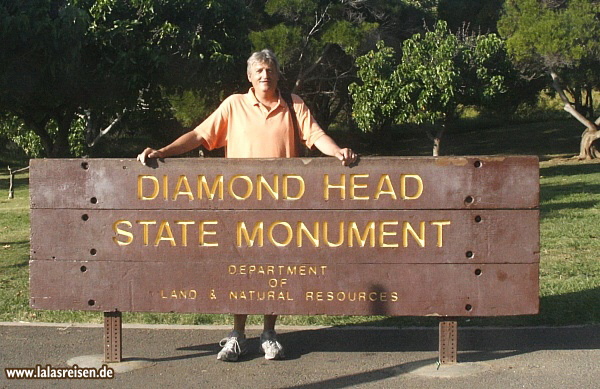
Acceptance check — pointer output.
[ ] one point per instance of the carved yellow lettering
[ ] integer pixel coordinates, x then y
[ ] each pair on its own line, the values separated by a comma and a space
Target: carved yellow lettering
145, 224
368, 234
127, 234
257, 234
403, 183
286, 186
384, 181
183, 188
249, 187
202, 232
440, 225
164, 228
262, 183
288, 238
210, 192
302, 230
341, 235
383, 233
327, 186
419, 238
184, 230
166, 187
154, 185
354, 186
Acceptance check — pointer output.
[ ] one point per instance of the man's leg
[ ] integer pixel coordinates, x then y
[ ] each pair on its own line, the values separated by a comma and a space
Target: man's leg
239, 323
269, 323
268, 339
234, 344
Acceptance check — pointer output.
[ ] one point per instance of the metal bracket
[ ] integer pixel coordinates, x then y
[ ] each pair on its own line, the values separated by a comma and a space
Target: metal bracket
448, 342
112, 337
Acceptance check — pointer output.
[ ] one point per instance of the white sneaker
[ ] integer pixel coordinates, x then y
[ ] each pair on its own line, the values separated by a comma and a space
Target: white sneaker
233, 346
270, 346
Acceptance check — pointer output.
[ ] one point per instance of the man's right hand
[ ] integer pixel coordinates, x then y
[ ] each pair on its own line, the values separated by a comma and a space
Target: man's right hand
148, 153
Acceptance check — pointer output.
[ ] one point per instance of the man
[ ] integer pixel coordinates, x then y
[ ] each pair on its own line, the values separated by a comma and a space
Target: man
258, 124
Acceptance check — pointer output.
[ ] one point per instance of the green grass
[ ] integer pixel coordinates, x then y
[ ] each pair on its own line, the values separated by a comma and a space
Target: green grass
570, 232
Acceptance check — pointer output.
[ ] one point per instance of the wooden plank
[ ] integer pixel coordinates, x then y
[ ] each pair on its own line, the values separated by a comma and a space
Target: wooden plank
377, 236
337, 289
375, 183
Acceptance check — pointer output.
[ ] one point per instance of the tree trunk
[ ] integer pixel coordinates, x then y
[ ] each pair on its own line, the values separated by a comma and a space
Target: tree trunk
437, 139
61, 147
589, 139
39, 128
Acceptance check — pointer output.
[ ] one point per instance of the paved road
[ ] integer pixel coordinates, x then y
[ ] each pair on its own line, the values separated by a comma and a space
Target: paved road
185, 357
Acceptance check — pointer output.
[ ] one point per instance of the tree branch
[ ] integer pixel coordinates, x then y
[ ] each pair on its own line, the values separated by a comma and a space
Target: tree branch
569, 107
108, 128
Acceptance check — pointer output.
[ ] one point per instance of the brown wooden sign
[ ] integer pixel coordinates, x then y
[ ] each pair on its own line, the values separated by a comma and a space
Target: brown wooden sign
454, 236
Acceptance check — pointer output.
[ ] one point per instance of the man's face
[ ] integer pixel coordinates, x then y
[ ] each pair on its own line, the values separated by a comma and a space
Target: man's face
264, 77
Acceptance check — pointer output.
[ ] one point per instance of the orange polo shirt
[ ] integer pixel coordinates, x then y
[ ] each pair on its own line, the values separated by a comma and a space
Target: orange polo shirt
248, 130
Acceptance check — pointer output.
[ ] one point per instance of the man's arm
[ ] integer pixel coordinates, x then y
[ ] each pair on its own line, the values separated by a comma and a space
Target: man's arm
186, 142
327, 146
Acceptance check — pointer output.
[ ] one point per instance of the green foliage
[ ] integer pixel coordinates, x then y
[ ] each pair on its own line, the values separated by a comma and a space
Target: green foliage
375, 98
437, 73
480, 16
282, 39
13, 128
190, 108
347, 35
541, 36
428, 77
317, 42
64, 58
558, 38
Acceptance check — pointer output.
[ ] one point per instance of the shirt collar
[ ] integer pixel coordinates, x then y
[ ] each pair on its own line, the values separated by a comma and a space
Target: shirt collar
254, 101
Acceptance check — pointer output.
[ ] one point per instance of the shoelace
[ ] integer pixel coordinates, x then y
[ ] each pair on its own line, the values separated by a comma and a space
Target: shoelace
231, 344
271, 345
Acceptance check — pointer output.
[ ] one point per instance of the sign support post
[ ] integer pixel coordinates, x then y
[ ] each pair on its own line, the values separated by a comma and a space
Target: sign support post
113, 337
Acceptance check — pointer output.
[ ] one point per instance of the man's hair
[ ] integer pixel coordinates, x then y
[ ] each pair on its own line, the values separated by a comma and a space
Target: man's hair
263, 56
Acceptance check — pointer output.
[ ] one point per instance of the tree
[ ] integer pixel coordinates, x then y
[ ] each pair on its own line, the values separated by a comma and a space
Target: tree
438, 72
63, 60
318, 41
477, 15
560, 39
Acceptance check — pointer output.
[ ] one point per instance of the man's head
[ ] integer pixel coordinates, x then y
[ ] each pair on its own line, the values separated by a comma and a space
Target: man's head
263, 71
265, 56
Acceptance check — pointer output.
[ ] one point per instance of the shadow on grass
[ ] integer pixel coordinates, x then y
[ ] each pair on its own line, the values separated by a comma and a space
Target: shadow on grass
19, 182
570, 169
549, 209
